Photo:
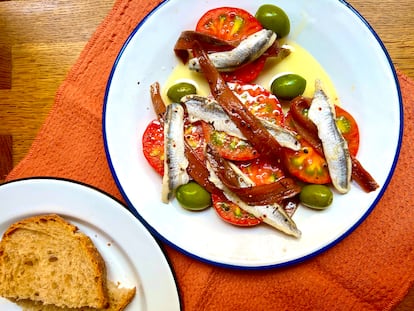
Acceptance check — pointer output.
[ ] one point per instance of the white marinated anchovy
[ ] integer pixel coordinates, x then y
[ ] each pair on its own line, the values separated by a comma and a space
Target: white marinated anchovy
247, 51
209, 110
244, 180
335, 147
274, 215
175, 161
283, 136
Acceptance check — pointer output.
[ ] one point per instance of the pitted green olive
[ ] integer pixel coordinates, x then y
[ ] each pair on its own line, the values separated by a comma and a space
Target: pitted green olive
274, 18
288, 86
316, 196
178, 90
193, 197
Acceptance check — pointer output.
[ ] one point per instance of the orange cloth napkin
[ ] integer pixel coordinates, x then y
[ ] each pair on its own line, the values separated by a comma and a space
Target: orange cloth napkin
372, 269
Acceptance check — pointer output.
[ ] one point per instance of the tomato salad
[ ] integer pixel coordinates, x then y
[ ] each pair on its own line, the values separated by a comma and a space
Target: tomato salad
245, 172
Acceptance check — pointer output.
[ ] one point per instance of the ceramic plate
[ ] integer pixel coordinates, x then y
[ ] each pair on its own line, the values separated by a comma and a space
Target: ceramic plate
351, 53
132, 256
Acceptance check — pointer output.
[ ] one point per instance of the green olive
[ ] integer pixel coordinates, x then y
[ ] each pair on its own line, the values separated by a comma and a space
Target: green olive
274, 18
178, 90
316, 196
288, 86
193, 197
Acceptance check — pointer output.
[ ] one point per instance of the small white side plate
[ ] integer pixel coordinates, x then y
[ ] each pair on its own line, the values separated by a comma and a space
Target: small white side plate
132, 256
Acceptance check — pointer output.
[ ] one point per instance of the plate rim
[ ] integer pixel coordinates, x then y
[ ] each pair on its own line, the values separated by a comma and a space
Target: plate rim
304, 258
113, 203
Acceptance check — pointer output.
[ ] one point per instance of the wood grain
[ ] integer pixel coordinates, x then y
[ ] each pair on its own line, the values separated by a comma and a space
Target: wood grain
393, 21
5, 67
6, 155
41, 39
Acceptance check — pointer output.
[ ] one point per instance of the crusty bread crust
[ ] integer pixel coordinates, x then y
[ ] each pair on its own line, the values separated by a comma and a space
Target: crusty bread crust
44, 258
119, 298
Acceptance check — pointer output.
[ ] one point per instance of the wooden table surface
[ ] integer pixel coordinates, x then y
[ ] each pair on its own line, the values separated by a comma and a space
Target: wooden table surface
41, 39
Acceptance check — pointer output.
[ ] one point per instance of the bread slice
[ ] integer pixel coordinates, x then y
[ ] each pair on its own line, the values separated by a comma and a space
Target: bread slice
45, 259
119, 298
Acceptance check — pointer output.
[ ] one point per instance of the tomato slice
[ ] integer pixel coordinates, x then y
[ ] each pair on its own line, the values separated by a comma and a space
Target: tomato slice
228, 146
258, 101
194, 136
232, 213
228, 23
306, 164
247, 73
262, 170
153, 142
153, 145
261, 102
349, 129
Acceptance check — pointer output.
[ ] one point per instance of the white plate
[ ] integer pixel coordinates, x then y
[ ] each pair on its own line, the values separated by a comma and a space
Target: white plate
132, 256
364, 77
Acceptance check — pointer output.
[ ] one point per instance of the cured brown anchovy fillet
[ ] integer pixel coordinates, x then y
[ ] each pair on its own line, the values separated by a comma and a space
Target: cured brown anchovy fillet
272, 214
157, 101
206, 109
254, 131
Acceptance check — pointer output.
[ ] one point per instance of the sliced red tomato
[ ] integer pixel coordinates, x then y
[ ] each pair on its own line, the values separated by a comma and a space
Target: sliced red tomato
228, 23
247, 73
153, 142
306, 164
153, 145
261, 102
228, 146
349, 129
232, 213
262, 170
258, 101
194, 136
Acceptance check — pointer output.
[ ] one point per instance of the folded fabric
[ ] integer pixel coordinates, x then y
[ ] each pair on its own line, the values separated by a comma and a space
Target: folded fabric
372, 269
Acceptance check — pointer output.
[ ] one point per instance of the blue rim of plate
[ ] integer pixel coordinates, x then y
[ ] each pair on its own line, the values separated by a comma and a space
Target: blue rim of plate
271, 266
